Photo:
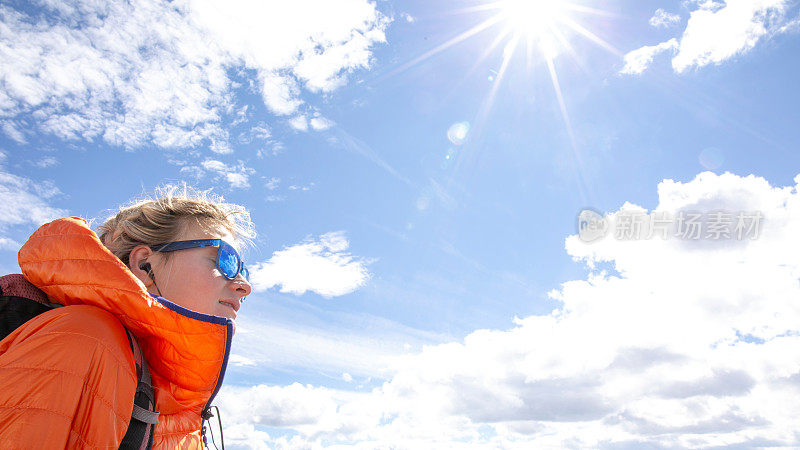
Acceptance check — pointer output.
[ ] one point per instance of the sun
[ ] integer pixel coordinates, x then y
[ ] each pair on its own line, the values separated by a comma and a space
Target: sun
545, 29
532, 17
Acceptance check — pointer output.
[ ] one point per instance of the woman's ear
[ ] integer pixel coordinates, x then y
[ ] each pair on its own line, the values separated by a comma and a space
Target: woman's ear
140, 266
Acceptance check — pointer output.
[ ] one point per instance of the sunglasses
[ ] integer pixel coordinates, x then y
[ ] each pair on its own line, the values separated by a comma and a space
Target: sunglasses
229, 262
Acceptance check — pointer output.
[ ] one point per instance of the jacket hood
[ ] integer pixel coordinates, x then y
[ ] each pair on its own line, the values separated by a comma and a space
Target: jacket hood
187, 351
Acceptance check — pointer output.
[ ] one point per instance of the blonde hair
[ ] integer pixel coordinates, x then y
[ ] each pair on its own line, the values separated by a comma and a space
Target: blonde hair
152, 221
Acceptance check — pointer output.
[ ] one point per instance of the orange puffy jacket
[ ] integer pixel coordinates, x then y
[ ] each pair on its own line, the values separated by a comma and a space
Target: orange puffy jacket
67, 376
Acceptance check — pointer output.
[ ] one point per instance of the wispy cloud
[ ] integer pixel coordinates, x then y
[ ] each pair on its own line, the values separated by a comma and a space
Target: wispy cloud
25, 201
9, 244
47, 161
360, 344
12, 130
237, 176
691, 344
318, 265
714, 33
272, 183
149, 72
343, 139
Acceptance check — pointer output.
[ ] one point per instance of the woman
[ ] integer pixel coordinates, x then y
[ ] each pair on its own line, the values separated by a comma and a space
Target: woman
164, 269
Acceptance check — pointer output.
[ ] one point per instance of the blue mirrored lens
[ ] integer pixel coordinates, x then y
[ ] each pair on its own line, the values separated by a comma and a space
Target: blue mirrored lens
228, 261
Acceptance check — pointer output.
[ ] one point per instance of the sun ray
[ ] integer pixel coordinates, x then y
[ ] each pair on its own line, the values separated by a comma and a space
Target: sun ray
508, 52
570, 50
591, 36
546, 28
495, 43
529, 54
487, 104
577, 159
589, 10
445, 45
478, 8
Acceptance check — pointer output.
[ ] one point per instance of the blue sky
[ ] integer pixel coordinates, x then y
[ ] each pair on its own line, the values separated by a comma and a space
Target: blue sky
415, 193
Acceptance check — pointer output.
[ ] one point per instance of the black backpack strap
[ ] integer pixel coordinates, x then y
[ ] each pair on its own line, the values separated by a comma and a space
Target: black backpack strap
20, 301
145, 386
144, 417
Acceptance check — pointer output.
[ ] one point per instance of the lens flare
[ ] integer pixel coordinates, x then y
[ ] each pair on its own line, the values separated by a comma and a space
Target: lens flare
457, 133
711, 158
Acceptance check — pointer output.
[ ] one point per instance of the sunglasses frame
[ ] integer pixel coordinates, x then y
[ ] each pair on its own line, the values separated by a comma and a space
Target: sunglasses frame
197, 243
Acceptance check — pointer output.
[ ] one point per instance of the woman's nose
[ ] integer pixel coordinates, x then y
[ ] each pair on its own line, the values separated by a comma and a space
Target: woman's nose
242, 286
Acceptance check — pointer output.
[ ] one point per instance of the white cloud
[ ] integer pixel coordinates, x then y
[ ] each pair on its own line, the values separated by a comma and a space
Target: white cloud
362, 345
299, 123
716, 32
241, 360
295, 187
280, 93
261, 132
693, 343
638, 60
194, 173
47, 161
9, 244
320, 123
24, 201
322, 266
663, 19
272, 183
13, 132
237, 176
713, 36
143, 71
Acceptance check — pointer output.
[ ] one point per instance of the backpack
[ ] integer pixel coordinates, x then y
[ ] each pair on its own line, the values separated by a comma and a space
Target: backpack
21, 301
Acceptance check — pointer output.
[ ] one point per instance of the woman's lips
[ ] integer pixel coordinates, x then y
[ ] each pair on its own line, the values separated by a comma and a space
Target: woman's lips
231, 306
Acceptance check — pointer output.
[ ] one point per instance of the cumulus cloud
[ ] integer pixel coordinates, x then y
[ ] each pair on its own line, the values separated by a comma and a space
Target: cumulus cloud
322, 266
714, 33
663, 19
151, 72
686, 343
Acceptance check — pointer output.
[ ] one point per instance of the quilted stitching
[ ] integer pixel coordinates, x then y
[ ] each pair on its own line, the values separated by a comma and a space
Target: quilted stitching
66, 260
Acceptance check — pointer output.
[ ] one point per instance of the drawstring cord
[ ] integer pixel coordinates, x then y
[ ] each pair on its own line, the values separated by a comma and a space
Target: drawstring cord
206, 415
